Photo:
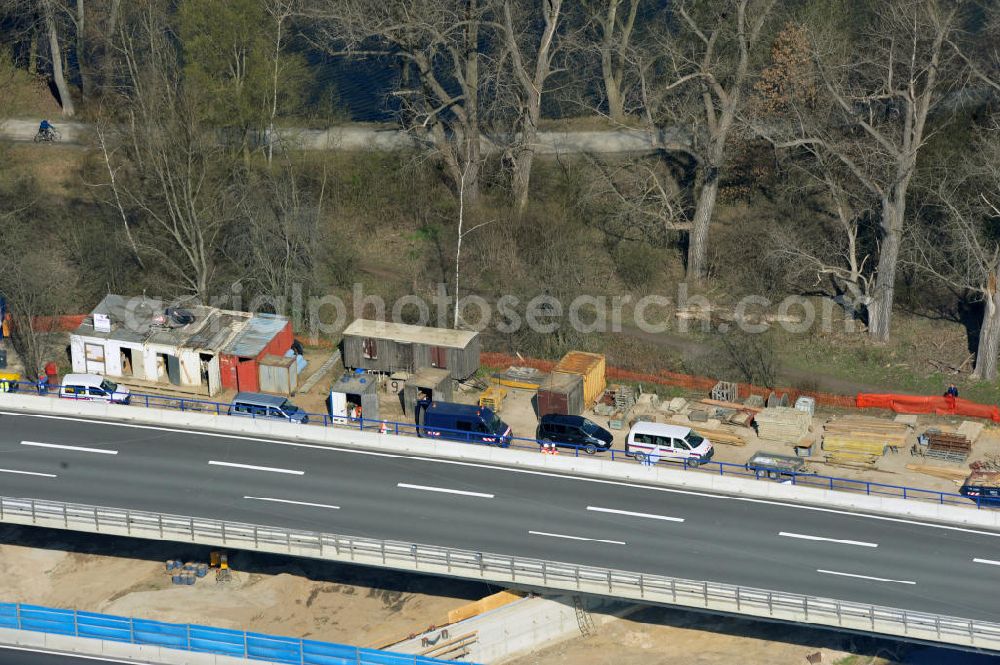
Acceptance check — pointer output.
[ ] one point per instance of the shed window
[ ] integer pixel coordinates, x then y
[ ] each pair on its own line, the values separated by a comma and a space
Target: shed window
369, 348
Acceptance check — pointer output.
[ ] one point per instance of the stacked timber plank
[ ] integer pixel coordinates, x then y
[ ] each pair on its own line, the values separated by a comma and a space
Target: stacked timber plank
863, 435
721, 436
852, 458
782, 423
948, 446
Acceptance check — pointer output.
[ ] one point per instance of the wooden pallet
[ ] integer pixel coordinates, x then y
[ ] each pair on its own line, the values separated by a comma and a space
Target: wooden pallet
834, 443
721, 436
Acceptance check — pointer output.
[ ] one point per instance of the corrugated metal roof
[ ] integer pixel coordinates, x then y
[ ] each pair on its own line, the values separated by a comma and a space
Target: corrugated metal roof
402, 332
258, 333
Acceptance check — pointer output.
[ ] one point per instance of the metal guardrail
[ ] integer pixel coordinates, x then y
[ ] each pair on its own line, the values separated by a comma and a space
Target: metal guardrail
191, 637
522, 443
524, 571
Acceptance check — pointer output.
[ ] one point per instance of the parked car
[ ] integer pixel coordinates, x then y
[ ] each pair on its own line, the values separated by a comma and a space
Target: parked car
573, 432
655, 440
93, 387
259, 405
464, 422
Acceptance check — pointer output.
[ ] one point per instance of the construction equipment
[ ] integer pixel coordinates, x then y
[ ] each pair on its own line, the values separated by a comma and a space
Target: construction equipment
493, 398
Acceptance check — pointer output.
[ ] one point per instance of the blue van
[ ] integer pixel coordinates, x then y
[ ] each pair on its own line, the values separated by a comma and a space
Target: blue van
259, 405
464, 422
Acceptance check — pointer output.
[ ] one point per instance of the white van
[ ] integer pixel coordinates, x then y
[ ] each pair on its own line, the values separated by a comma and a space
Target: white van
653, 440
93, 387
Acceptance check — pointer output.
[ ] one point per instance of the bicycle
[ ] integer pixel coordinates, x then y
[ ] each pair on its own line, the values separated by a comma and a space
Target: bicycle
47, 136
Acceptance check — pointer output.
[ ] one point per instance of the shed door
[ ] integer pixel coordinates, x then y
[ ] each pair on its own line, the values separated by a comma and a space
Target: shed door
246, 375
94, 354
439, 357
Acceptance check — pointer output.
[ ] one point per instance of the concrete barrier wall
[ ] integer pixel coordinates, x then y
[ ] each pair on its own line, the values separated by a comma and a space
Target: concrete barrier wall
525, 626
592, 467
140, 653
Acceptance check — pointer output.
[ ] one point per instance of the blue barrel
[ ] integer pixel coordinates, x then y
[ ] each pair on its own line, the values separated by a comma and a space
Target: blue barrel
202, 570
189, 580
190, 566
176, 578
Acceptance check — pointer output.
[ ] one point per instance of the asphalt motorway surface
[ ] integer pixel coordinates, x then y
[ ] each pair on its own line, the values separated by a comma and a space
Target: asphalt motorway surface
896, 563
26, 656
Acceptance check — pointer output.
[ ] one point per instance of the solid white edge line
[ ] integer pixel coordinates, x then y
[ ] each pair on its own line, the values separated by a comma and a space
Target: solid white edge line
989, 562
443, 490
548, 474
296, 503
802, 536
564, 536
629, 513
252, 467
29, 473
82, 449
66, 654
862, 577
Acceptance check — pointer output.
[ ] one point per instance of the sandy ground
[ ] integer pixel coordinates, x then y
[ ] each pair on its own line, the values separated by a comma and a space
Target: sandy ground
663, 636
270, 594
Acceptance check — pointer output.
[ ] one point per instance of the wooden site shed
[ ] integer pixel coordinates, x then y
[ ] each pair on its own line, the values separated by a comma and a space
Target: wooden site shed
437, 383
561, 393
397, 347
590, 366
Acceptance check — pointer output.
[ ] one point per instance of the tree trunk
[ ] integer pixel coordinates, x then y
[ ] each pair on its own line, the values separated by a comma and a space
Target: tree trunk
612, 89
473, 152
697, 255
58, 76
989, 334
33, 54
522, 166
880, 309
82, 61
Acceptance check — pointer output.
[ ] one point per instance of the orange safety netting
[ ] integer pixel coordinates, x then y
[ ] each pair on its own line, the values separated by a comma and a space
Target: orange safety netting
942, 406
665, 378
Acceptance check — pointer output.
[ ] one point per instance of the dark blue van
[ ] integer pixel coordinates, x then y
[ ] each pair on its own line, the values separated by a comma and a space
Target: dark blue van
464, 422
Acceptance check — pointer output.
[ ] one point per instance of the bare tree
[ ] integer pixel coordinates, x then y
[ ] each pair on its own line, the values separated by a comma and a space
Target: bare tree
830, 244
615, 23
278, 238
880, 92
530, 53
179, 174
700, 78
438, 44
281, 12
961, 247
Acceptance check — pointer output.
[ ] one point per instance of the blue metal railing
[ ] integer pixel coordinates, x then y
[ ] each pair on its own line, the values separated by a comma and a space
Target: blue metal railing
523, 443
191, 637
